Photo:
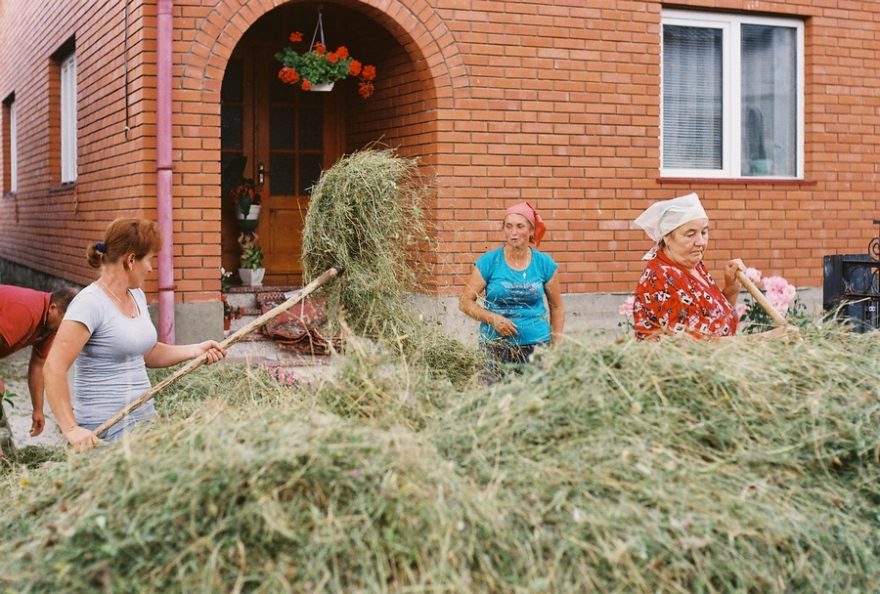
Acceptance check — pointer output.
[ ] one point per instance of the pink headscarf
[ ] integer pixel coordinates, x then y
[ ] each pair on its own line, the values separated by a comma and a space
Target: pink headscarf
526, 210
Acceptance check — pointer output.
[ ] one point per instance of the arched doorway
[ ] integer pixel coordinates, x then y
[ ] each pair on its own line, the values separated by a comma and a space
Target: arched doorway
287, 138
288, 135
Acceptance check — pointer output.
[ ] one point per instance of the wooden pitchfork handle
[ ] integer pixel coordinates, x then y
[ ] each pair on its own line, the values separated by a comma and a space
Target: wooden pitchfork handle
231, 340
756, 293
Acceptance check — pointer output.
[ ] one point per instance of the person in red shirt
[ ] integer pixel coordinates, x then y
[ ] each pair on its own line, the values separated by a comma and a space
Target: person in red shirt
31, 318
676, 293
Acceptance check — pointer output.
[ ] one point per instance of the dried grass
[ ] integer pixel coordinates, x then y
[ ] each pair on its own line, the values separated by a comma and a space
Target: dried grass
366, 215
742, 466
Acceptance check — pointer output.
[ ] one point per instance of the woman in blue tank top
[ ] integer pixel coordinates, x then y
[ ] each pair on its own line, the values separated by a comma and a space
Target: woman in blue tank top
506, 291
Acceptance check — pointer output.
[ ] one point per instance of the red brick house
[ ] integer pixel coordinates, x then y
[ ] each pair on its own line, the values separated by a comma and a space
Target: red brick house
590, 110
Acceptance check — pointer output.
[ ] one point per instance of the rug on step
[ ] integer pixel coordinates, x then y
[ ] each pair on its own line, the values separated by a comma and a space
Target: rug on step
302, 328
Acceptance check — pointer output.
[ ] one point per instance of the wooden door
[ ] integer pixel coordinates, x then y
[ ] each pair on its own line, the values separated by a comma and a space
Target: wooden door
288, 136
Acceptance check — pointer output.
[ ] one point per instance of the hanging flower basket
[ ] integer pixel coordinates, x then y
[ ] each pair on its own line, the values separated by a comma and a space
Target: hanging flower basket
315, 69
249, 221
247, 202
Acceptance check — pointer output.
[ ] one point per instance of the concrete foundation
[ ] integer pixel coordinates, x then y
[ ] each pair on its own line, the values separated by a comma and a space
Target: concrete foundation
585, 313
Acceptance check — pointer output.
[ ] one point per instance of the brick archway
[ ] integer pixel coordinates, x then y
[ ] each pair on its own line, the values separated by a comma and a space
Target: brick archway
423, 41
204, 61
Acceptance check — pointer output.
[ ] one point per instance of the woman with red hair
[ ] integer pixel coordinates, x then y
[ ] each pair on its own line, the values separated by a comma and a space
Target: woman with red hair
506, 291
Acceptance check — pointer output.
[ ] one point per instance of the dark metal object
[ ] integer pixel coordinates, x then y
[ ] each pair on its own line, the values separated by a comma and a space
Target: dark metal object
851, 287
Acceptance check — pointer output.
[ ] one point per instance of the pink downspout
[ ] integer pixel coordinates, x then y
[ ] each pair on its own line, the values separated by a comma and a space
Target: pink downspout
164, 167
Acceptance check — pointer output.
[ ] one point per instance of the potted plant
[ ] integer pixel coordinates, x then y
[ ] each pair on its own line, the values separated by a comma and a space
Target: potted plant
243, 193
247, 203
317, 69
229, 312
251, 270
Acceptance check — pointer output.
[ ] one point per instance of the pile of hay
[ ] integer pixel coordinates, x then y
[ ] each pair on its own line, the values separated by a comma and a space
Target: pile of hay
742, 466
366, 215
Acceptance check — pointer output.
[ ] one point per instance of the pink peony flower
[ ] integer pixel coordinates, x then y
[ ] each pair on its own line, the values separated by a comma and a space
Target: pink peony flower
626, 308
740, 310
780, 293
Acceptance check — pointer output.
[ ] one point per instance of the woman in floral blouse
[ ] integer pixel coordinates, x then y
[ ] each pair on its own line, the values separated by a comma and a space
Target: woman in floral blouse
676, 293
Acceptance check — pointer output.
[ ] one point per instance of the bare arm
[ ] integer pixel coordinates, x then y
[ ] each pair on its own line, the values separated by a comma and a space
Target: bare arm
35, 387
165, 355
69, 342
557, 309
468, 305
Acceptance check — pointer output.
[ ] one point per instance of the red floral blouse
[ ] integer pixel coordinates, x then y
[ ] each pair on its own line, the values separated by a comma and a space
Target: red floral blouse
669, 299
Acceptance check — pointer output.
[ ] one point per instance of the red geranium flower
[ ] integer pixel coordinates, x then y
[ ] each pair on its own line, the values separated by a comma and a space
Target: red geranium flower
365, 89
288, 75
318, 66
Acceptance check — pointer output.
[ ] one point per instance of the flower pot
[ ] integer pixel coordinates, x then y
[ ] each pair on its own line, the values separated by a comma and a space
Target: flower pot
760, 166
248, 222
323, 87
251, 277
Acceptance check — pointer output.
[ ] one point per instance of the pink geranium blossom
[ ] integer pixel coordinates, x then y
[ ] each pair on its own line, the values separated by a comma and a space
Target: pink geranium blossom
741, 309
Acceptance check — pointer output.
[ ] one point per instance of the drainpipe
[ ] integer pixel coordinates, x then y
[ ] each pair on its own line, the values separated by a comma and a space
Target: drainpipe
164, 167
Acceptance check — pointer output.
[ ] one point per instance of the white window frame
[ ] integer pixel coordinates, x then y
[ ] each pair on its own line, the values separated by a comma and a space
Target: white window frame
730, 25
13, 148
68, 119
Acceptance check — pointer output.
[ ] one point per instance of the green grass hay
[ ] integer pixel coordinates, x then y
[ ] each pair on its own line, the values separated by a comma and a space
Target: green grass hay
742, 466
366, 215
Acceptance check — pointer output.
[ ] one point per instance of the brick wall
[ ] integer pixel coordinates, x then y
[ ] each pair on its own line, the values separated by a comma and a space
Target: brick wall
46, 226
553, 102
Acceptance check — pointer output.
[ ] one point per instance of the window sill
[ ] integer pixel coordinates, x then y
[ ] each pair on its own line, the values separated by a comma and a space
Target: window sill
739, 181
65, 187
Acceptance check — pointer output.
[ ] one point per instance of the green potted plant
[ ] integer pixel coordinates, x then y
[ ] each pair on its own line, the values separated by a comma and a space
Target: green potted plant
318, 69
251, 269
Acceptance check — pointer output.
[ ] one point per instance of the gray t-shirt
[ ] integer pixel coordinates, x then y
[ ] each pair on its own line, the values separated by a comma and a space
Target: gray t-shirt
110, 370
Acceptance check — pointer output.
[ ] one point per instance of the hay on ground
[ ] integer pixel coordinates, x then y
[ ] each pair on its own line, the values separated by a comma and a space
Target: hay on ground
741, 466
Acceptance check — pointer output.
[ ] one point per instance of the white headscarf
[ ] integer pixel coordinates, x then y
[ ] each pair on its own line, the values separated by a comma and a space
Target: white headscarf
665, 216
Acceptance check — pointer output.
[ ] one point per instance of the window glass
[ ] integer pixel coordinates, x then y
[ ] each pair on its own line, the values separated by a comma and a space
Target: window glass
692, 97
68, 119
732, 95
13, 149
283, 168
231, 126
309, 172
769, 91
